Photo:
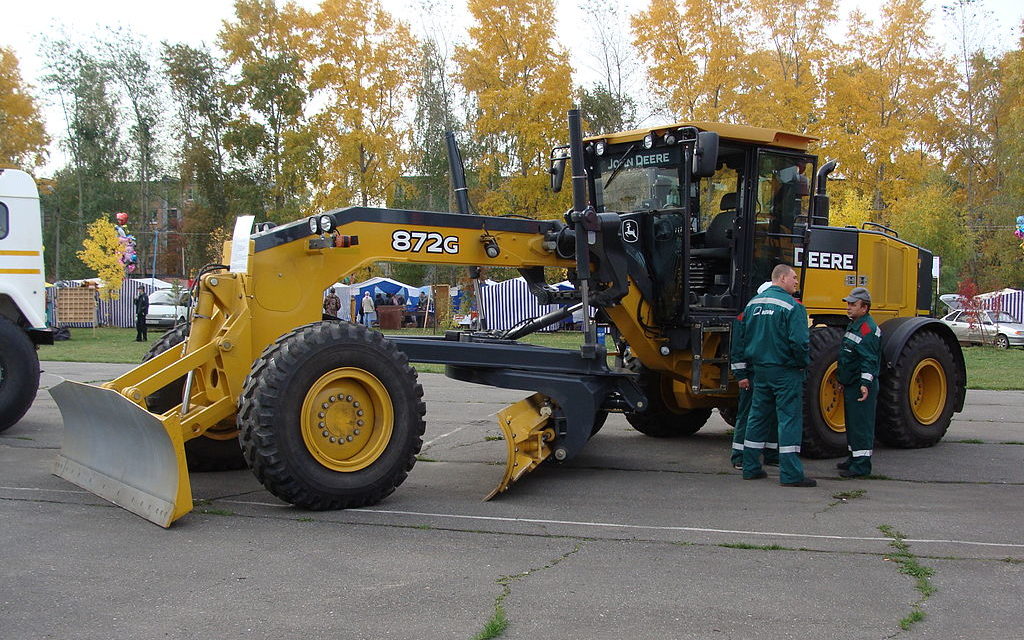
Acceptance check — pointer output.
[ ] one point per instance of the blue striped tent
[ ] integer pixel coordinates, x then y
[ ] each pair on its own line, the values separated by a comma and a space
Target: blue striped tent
118, 313
1010, 301
509, 303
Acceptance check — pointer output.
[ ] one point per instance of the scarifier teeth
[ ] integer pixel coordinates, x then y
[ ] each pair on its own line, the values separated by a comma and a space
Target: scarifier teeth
527, 438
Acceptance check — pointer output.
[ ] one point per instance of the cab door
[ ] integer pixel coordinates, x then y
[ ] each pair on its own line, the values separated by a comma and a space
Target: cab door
780, 194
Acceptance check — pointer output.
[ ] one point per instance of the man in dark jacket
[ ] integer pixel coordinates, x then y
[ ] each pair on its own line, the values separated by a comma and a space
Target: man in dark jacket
744, 374
859, 355
141, 311
776, 335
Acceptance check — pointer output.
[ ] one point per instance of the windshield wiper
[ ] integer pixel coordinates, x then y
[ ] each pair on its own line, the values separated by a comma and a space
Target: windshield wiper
618, 167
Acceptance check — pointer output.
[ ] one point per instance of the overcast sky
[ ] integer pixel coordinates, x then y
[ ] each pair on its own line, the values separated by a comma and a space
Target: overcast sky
198, 21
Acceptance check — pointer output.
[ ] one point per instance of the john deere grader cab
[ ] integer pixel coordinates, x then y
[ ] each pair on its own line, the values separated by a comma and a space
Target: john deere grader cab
672, 229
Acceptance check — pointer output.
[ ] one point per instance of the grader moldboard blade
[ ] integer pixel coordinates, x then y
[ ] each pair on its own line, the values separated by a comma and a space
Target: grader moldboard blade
527, 434
122, 453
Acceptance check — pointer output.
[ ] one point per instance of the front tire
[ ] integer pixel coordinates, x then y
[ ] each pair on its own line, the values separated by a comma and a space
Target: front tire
1002, 342
916, 398
662, 419
824, 412
19, 373
331, 417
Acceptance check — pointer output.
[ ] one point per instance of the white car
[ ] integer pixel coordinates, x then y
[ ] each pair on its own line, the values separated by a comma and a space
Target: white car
168, 308
986, 327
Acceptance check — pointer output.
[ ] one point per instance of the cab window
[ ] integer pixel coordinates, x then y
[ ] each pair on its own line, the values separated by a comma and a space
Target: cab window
4, 221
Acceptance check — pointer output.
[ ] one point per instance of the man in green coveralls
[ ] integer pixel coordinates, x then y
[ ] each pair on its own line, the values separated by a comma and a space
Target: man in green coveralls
775, 330
744, 374
858, 373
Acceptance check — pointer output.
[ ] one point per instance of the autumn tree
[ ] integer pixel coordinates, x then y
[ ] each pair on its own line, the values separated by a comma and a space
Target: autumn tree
790, 51
520, 86
363, 65
264, 45
880, 103
696, 73
103, 252
608, 105
23, 137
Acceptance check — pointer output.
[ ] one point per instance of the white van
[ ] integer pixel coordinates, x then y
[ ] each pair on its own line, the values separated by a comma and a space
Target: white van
168, 307
22, 294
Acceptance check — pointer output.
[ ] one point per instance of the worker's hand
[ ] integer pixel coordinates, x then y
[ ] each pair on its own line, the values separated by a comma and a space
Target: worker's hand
863, 394
744, 384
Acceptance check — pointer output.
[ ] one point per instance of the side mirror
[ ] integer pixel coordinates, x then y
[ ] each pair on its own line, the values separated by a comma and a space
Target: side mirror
557, 172
705, 156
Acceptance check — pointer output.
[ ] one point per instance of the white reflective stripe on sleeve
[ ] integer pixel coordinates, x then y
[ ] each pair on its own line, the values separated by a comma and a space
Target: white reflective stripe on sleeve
852, 336
778, 303
753, 445
861, 453
867, 376
737, 446
878, 331
771, 445
739, 365
790, 449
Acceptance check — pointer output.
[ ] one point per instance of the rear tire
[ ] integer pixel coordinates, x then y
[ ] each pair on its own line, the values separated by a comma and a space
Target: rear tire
663, 419
1002, 342
824, 433
916, 397
204, 453
373, 418
19, 373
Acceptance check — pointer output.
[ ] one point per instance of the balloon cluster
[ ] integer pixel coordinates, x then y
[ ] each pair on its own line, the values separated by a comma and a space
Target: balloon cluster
129, 257
1019, 231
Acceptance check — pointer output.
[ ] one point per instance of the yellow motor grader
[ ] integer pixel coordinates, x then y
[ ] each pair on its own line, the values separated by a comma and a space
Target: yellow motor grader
671, 231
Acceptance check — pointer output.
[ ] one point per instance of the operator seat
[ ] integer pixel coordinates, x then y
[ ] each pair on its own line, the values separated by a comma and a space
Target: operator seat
718, 236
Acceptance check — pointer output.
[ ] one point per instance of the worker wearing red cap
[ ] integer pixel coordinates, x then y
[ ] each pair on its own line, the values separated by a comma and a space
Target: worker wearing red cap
859, 355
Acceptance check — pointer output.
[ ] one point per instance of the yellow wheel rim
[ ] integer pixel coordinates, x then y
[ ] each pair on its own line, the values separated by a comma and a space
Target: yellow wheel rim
830, 400
927, 391
347, 419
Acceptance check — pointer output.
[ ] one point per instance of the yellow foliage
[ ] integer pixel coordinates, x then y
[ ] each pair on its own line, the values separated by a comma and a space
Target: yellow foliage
521, 83
364, 62
848, 207
102, 252
23, 137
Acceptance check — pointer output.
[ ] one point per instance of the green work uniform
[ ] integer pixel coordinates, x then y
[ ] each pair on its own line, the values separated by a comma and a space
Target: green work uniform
776, 336
742, 371
858, 366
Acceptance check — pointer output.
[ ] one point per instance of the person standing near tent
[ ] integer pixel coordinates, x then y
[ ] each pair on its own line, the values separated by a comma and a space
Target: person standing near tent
369, 309
332, 304
141, 303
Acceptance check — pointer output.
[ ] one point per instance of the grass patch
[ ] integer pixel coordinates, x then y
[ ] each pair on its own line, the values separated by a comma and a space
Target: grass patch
105, 344
493, 438
424, 459
996, 369
495, 626
1010, 560
849, 495
754, 547
307, 519
1011, 442
970, 441
217, 512
914, 616
910, 566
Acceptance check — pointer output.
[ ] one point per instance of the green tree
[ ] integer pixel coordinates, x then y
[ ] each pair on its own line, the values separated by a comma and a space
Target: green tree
23, 138
264, 45
520, 87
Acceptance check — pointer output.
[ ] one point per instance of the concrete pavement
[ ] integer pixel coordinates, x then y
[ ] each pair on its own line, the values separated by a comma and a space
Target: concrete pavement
636, 537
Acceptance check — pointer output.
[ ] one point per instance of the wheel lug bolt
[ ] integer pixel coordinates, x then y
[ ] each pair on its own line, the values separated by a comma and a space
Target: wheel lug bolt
348, 398
321, 415
333, 439
325, 405
356, 404
322, 425
327, 433
360, 422
334, 398
359, 413
349, 438
356, 432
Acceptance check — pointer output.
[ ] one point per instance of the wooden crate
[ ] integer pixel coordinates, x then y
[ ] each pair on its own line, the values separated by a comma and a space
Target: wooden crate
76, 305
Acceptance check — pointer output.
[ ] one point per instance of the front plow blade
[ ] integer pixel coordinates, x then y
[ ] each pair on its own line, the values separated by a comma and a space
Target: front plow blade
122, 453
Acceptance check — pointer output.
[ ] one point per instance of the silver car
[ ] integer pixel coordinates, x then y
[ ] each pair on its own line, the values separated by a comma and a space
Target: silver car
986, 327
